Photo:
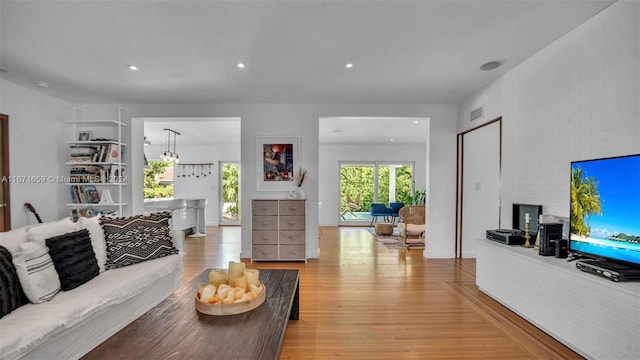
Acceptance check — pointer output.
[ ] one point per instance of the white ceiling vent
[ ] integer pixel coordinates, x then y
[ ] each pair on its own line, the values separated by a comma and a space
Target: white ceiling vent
477, 113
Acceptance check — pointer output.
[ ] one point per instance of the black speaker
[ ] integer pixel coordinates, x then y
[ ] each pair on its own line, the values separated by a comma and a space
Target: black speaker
561, 248
549, 235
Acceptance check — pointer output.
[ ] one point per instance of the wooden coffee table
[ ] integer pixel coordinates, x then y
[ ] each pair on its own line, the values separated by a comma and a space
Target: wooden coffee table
175, 330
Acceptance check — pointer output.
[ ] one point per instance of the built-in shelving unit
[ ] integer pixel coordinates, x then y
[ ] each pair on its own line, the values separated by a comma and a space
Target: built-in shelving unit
97, 175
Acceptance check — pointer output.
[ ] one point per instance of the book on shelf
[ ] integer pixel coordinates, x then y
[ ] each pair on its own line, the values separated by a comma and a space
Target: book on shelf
113, 153
117, 173
84, 194
75, 214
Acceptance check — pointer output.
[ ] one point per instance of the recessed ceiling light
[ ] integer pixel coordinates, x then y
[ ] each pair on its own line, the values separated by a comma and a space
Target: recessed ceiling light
391, 139
240, 65
490, 65
132, 67
415, 121
348, 65
43, 84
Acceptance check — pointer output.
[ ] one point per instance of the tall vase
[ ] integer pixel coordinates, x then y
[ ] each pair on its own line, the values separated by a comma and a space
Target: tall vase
300, 193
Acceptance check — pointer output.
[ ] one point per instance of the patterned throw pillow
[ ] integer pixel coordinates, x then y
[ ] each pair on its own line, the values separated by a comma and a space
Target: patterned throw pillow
73, 258
132, 240
36, 272
11, 294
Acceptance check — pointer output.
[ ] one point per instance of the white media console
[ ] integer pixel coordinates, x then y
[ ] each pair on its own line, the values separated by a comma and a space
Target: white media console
594, 316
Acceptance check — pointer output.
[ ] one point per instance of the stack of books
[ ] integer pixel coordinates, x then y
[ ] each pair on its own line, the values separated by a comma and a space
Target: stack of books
107, 153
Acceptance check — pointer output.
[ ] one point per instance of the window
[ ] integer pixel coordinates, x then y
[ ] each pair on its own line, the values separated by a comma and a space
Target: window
371, 182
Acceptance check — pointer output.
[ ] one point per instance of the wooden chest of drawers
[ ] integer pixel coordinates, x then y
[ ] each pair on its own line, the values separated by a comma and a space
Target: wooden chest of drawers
278, 230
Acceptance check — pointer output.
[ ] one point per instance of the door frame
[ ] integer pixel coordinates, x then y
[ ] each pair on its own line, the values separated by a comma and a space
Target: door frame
460, 178
4, 125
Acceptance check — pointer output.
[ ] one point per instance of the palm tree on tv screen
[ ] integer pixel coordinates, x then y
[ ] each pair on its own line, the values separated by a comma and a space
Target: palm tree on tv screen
585, 202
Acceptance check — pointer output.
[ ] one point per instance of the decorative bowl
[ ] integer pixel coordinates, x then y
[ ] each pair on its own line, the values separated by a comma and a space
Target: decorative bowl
230, 309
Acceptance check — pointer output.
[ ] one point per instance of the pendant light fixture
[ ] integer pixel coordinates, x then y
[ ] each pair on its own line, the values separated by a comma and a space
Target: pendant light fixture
168, 154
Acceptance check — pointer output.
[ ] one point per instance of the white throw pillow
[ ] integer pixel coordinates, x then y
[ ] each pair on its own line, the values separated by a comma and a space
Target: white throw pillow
36, 272
11, 239
40, 233
96, 233
177, 238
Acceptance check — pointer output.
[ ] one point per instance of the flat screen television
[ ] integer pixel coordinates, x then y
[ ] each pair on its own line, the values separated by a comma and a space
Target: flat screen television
605, 209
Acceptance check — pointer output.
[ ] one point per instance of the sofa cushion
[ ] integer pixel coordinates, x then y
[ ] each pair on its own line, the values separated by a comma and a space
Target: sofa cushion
96, 233
73, 258
11, 294
36, 272
138, 238
79, 314
40, 233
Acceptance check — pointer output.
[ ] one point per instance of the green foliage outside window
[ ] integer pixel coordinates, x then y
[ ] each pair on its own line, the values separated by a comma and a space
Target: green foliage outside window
152, 187
359, 180
230, 188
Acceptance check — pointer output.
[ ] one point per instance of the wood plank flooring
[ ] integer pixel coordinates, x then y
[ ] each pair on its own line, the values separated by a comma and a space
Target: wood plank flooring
361, 300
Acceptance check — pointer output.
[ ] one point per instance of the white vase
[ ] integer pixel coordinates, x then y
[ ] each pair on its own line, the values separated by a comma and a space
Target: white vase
300, 193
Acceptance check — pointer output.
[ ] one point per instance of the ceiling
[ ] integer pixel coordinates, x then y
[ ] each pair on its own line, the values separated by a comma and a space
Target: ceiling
193, 131
294, 51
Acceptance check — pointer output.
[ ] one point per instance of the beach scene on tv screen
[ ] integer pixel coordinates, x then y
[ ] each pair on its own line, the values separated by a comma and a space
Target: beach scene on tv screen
605, 208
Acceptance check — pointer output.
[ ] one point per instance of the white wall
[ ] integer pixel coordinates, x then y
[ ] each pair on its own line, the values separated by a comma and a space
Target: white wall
577, 99
331, 155
36, 148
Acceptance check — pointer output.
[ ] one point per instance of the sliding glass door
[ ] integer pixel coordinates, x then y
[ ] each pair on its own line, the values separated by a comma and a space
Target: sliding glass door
362, 184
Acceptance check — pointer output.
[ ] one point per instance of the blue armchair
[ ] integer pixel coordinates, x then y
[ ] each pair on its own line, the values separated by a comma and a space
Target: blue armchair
394, 208
378, 209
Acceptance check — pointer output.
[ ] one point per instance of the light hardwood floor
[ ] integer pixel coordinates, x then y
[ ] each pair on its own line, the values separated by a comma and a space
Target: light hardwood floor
361, 300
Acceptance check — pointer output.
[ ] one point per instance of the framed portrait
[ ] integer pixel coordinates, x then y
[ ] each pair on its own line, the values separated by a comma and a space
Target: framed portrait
84, 135
278, 158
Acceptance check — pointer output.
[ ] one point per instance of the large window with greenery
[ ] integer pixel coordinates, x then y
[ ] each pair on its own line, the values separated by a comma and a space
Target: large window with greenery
158, 180
375, 182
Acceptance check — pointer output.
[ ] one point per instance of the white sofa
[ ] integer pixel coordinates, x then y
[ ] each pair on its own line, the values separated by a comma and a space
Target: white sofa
76, 321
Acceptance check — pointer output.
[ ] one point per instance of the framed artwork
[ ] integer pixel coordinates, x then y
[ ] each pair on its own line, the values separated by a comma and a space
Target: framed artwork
84, 135
278, 158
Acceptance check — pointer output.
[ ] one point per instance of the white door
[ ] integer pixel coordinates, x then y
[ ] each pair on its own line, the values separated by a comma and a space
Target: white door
480, 185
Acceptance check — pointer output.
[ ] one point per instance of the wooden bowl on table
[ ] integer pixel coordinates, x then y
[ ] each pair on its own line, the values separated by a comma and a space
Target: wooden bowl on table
230, 309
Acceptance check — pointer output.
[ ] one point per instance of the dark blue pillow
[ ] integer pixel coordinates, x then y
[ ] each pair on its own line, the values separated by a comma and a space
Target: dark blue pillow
73, 258
11, 294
